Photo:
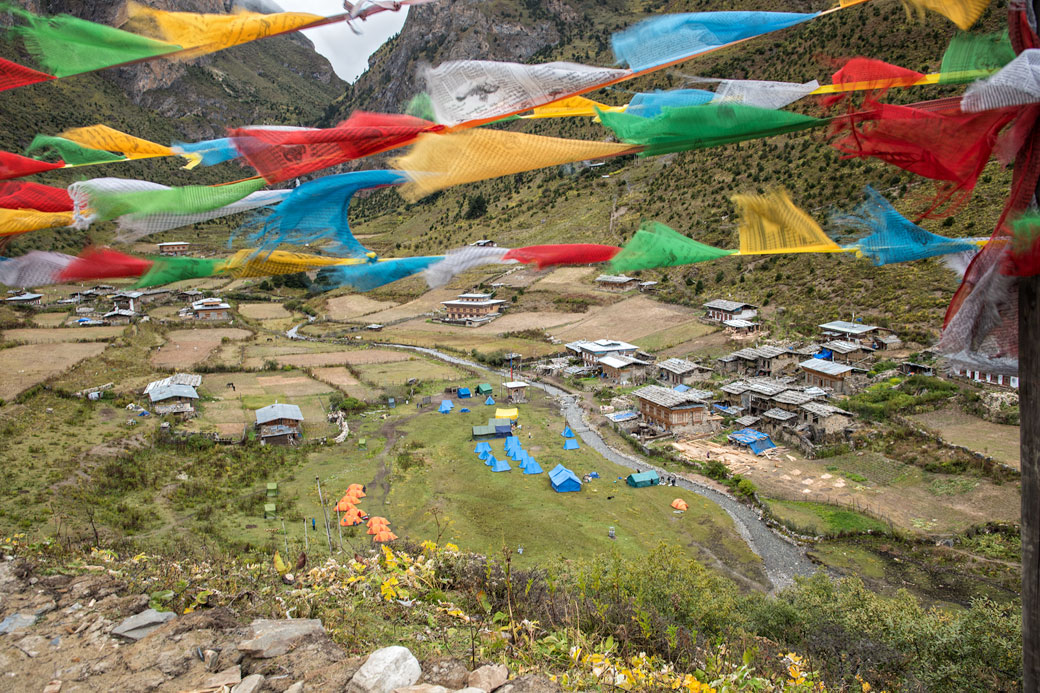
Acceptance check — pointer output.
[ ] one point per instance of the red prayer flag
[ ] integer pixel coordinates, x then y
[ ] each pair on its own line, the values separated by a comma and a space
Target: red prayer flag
566, 254
874, 76
14, 75
104, 263
279, 155
44, 198
16, 166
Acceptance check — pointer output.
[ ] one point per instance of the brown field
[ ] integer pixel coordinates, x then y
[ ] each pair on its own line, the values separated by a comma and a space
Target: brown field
521, 277
630, 319
352, 306
187, 347
510, 322
49, 319
263, 311
46, 335
462, 340
428, 302
342, 379
565, 276
996, 440
333, 358
25, 366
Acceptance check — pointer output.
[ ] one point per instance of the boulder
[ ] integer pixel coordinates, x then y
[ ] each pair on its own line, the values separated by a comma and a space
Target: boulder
488, 677
445, 671
271, 638
231, 676
295, 688
385, 670
532, 683
140, 625
422, 688
250, 684
31, 645
15, 622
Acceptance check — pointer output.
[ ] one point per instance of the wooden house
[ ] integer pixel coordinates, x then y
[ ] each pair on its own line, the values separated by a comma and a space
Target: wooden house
681, 372
675, 411
279, 424
720, 310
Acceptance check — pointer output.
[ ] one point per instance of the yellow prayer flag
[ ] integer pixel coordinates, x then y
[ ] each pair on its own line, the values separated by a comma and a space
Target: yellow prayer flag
208, 33
107, 139
963, 13
771, 223
574, 106
437, 161
15, 221
257, 263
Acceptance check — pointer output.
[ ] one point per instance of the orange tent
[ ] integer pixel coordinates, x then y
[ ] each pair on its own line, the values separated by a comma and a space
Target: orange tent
384, 536
351, 518
380, 521
356, 490
346, 503
680, 504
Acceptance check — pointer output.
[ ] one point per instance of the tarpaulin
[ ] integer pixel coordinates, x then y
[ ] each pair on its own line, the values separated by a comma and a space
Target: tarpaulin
369, 276
656, 245
35, 268
281, 154
968, 54
111, 140
132, 228
104, 263
892, 237
107, 202
771, 223
436, 162
257, 263
23, 195
66, 45
963, 13
459, 260
16, 166
463, 90
1017, 84
318, 210
661, 40
166, 270
73, 154
697, 127
206, 33
15, 221
564, 254
13, 75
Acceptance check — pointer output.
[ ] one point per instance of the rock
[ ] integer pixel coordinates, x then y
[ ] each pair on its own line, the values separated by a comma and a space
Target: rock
295, 688
532, 683
209, 658
470, 689
250, 684
445, 671
136, 627
31, 645
15, 622
422, 688
488, 677
385, 670
271, 638
53, 687
229, 677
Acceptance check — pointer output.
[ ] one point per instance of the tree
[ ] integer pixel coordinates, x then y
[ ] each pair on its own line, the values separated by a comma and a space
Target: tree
477, 207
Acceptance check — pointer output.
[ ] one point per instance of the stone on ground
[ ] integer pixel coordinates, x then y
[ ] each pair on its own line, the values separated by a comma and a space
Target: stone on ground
271, 638
15, 622
231, 676
532, 683
140, 625
488, 677
422, 688
445, 671
385, 670
250, 684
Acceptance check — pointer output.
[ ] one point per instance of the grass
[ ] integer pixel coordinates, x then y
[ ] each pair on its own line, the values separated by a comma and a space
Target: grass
822, 519
996, 440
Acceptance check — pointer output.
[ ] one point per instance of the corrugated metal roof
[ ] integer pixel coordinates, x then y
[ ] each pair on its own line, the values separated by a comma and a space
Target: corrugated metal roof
846, 327
679, 366
843, 347
746, 421
821, 409
160, 393
779, 414
739, 324
175, 379
825, 367
726, 305
276, 411
738, 387
614, 279
792, 397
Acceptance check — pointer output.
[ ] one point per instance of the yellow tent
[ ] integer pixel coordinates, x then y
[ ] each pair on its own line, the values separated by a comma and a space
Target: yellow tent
512, 414
680, 504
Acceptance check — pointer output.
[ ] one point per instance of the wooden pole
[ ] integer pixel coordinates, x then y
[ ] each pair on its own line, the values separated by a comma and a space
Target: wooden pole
325, 514
1029, 408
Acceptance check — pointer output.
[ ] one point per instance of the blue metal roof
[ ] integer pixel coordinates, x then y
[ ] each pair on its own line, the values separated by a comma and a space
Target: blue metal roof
273, 412
170, 391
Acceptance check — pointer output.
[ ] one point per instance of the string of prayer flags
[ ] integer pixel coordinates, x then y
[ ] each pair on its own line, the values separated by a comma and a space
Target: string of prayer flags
169, 269
104, 263
1016, 84
35, 268
13, 75
762, 94
44, 198
372, 275
891, 236
657, 245
199, 34
280, 154
482, 90
970, 54
70, 152
571, 107
16, 221
65, 45
133, 228
436, 162
318, 211
963, 13
662, 40
772, 223
697, 127
16, 166
255, 263
544, 256
207, 152
649, 104
108, 139
459, 260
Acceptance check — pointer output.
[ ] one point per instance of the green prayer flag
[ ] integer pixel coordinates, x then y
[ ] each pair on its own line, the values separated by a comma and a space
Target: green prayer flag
166, 270
66, 45
968, 55
699, 127
70, 152
657, 245
421, 106
189, 199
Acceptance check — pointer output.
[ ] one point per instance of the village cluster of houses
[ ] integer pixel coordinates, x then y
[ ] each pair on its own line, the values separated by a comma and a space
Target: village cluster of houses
91, 305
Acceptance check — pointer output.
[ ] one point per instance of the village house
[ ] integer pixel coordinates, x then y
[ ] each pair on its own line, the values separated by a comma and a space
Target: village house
721, 310
828, 374
622, 369
173, 399
741, 328
616, 282
676, 412
189, 295
25, 299
846, 352
978, 374
210, 309
155, 295
858, 333
516, 391
681, 372
761, 361
825, 421
484, 243
590, 352
886, 342
127, 300
174, 248
472, 309
279, 424
119, 316
646, 287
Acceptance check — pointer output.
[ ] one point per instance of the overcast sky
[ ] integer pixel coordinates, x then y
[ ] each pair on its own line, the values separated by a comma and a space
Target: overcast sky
347, 51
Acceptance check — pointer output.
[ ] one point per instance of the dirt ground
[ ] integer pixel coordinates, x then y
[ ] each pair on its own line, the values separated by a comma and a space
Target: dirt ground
42, 335
263, 311
187, 347
996, 440
630, 319
352, 306
25, 366
429, 301
519, 277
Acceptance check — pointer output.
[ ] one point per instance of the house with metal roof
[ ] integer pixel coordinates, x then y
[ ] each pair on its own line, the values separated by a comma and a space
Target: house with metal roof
213, 309
676, 411
828, 374
622, 369
25, 299
472, 309
847, 352
591, 351
741, 327
616, 282
280, 424
721, 310
681, 372
173, 393
825, 420
760, 360
190, 379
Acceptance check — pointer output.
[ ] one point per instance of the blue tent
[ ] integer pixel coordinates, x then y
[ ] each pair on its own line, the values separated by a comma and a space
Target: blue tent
481, 446
681, 388
500, 466
564, 480
484, 454
532, 467
464, 393
464, 410
567, 432
570, 444
523, 459
490, 460
446, 406
489, 401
